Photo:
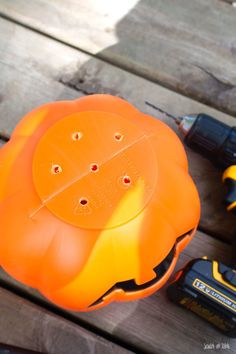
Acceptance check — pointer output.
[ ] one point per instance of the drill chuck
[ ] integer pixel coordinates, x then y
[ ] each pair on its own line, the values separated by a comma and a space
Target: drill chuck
208, 136
213, 139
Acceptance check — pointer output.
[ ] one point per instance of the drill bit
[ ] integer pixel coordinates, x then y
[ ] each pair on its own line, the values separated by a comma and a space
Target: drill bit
176, 119
184, 122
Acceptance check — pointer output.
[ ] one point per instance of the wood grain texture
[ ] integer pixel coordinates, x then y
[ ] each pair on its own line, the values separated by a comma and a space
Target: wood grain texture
154, 324
188, 46
36, 70
29, 326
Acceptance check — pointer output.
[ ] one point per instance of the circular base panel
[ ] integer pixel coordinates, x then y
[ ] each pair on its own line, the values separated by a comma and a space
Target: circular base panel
94, 170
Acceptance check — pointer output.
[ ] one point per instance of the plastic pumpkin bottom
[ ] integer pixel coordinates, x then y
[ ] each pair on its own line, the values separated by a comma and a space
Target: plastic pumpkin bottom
96, 202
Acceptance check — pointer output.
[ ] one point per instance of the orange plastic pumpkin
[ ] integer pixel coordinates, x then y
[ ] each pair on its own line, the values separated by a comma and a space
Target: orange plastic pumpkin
96, 202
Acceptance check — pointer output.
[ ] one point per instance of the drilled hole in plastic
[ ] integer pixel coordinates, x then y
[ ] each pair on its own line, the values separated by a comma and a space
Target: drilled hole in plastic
77, 136
83, 201
56, 169
118, 136
126, 180
94, 167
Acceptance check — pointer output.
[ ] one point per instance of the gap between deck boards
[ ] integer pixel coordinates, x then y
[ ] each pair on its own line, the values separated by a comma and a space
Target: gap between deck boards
127, 68
96, 56
230, 2
49, 306
99, 323
40, 302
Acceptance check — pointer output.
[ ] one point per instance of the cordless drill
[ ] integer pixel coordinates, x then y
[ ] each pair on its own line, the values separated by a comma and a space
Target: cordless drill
203, 286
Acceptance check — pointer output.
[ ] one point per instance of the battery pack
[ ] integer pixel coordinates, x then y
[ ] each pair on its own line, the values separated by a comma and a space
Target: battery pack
207, 288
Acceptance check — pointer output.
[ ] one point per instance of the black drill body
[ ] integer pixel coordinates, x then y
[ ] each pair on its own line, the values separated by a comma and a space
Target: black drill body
213, 139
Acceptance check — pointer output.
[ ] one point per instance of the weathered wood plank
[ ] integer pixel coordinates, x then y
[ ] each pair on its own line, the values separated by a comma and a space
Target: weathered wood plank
154, 324
29, 326
36, 70
188, 46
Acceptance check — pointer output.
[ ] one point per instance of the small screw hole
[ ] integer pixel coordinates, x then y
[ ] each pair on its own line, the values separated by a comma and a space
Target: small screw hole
94, 167
126, 180
83, 201
118, 136
77, 136
56, 169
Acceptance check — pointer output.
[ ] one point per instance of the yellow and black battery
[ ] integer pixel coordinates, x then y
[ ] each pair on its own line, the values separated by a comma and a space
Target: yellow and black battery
207, 288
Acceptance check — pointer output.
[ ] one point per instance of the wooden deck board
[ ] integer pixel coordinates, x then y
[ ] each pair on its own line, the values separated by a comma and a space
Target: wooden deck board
36, 69
154, 324
31, 327
31, 76
188, 46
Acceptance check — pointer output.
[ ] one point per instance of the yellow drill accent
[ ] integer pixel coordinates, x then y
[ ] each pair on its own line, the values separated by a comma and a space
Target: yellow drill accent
217, 276
230, 172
